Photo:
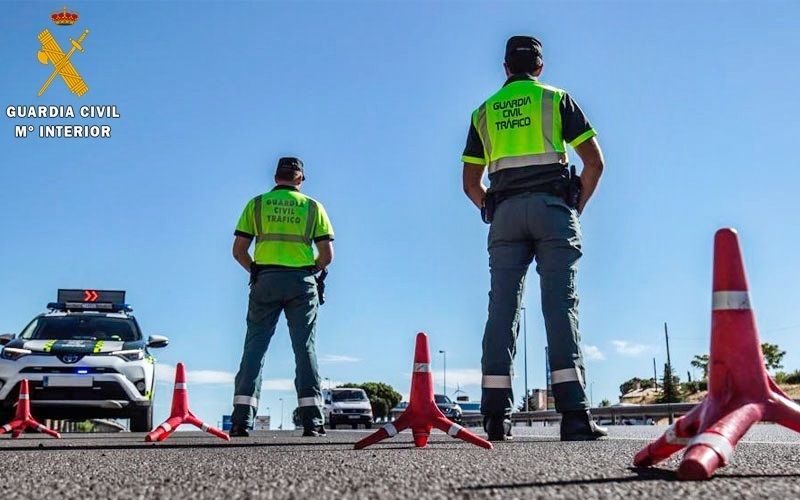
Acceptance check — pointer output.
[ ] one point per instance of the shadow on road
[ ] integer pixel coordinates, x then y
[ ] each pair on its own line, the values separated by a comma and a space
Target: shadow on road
642, 474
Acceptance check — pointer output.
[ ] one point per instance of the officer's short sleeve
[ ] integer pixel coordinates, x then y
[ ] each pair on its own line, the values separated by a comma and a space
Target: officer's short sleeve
323, 229
473, 151
574, 124
246, 226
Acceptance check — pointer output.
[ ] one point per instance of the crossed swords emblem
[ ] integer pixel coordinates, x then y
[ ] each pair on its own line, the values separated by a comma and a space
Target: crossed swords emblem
51, 52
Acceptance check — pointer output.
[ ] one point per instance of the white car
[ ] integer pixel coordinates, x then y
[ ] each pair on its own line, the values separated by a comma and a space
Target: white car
347, 406
85, 358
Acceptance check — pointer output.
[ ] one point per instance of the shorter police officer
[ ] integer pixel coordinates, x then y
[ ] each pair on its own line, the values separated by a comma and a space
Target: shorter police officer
284, 224
520, 134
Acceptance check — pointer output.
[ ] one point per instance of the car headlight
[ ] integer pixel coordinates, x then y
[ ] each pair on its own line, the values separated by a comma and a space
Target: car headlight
14, 353
130, 354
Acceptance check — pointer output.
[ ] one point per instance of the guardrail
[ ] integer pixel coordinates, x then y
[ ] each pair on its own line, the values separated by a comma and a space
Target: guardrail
615, 413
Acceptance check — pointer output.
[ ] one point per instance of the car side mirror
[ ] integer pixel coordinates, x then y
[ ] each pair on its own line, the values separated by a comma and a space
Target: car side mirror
157, 341
6, 338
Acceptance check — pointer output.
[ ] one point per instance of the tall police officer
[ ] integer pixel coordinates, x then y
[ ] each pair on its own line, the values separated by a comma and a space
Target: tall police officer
284, 224
520, 133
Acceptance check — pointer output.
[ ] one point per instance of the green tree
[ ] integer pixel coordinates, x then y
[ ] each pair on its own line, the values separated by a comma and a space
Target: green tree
605, 402
671, 387
701, 361
773, 356
382, 397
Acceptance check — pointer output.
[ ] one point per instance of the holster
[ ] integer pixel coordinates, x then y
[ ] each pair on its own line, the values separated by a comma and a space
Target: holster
574, 188
488, 208
320, 279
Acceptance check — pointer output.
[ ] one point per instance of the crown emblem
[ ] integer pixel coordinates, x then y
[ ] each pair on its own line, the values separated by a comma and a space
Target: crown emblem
64, 18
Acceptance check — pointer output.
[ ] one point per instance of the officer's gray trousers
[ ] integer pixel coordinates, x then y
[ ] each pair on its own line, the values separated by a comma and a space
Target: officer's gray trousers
526, 226
295, 293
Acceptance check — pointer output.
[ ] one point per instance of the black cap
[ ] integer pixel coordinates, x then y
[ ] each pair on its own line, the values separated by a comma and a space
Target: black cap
291, 163
523, 48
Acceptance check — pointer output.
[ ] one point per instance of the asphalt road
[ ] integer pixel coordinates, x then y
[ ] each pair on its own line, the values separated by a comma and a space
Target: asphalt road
285, 465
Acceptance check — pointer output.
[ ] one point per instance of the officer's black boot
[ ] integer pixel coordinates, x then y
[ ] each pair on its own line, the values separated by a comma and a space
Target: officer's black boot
498, 428
317, 431
579, 426
238, 431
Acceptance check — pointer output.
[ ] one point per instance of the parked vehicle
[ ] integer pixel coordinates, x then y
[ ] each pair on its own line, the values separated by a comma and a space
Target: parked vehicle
347, 406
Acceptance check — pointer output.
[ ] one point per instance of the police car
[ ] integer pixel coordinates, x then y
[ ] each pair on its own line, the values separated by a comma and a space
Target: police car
84, 358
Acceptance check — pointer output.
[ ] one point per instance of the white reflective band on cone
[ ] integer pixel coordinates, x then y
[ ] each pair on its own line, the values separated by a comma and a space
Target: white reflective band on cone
24, 396
245, 400
672, 437
422, 367
565, 375
454, 429
310, 401
390, 429
716, 442
40, 427
733, 300
166, 427
204, 427
180, 385
7, 427
496, 382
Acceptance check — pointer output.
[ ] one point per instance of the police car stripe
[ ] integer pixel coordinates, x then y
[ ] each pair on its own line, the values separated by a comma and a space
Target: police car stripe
422, 367
454, 430
390, 429
730, 300
716, 442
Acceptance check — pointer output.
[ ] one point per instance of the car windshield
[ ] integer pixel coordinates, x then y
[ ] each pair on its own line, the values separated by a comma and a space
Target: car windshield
81, 327
441, 399
353, 395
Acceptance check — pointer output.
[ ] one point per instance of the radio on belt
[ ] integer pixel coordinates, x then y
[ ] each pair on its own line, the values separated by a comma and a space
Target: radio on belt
84, 299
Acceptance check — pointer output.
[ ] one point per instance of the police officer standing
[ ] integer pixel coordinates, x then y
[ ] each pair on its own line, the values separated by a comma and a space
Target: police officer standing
284, 223
520, 134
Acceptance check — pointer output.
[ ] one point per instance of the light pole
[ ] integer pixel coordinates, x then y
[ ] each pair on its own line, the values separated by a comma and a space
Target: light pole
281, 426
525, 347
444, 353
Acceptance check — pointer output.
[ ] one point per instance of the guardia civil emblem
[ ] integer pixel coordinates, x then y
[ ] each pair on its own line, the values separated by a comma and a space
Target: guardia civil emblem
51, 53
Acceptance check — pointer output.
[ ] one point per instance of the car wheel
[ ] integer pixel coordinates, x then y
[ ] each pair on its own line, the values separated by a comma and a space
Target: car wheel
142, 419
332, 425
354, 426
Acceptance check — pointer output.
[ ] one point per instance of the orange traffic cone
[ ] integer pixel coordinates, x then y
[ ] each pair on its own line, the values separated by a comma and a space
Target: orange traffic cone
23, 419
740, 391
180, 413
422, 413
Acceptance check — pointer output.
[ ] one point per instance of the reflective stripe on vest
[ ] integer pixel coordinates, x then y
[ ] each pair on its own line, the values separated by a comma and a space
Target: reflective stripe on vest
305, 239
496, 382
520, 126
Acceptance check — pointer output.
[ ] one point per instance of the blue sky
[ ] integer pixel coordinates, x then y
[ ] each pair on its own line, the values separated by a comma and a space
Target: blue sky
694, 103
